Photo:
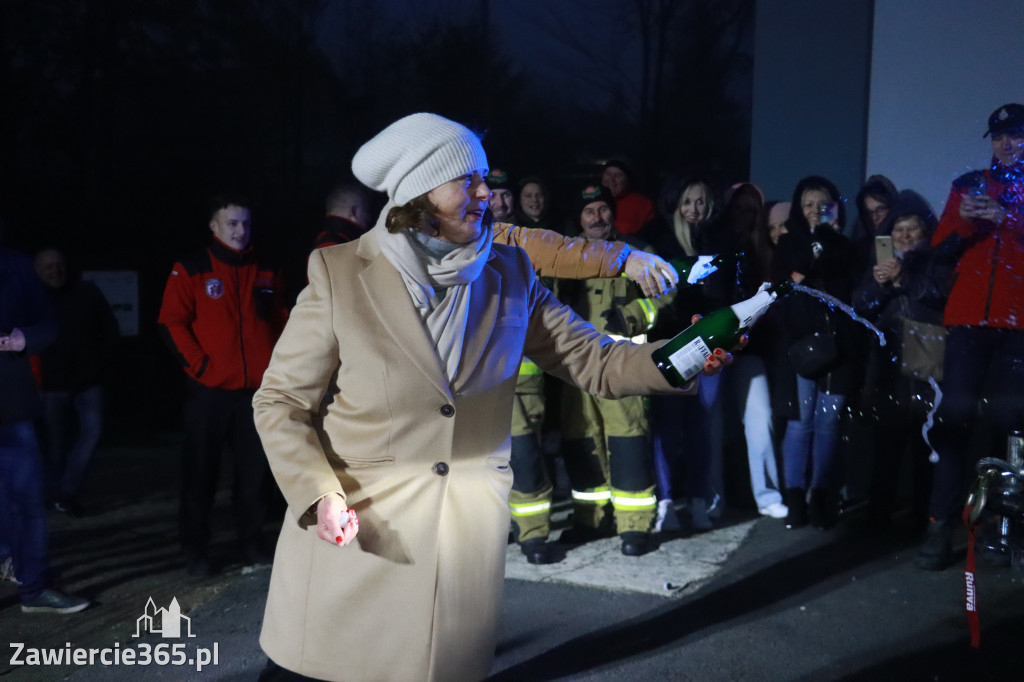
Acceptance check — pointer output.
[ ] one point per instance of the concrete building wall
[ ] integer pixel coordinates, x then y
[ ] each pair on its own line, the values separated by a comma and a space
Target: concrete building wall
938, 69
812, 64
898, 87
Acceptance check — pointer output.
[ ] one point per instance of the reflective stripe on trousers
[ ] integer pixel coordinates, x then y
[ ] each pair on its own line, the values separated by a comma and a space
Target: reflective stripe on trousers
530, 509
626, 501
600, 495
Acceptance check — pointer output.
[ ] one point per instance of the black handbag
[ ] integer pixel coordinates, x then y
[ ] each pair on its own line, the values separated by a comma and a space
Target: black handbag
813, 355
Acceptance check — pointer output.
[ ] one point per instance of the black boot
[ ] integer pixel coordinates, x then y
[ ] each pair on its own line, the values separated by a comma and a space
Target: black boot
634, 543
580, 535
796, 501
937, 551
823, 510
536, 551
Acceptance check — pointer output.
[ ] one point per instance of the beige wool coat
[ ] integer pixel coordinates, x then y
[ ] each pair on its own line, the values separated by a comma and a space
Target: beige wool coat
425, 464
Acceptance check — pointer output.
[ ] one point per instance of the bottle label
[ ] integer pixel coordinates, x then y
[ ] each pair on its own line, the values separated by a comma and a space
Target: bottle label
701, 269
689, 360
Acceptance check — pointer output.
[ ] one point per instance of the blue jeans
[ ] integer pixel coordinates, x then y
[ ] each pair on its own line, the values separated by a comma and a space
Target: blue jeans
22, 507
70, 440
813, 437
687, 433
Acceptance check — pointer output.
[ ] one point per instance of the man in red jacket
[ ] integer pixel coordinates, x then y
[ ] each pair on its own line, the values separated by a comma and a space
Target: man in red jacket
982, 227
222, 314
632, 209
347, 216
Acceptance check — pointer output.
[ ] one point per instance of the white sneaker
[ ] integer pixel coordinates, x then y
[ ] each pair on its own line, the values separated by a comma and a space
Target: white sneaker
717, 507
666, 519
699, 514
7, 571
659, 517
776, 510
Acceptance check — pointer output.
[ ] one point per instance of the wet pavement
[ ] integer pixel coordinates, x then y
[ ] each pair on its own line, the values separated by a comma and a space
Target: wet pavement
747, 601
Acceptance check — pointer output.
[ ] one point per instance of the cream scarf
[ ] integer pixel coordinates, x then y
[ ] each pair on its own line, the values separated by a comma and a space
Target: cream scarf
424, 273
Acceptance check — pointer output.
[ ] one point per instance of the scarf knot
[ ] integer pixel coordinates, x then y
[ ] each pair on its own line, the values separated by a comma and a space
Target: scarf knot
425, 273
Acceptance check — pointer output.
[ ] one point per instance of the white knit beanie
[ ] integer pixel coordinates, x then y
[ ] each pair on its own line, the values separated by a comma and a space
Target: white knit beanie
417, 153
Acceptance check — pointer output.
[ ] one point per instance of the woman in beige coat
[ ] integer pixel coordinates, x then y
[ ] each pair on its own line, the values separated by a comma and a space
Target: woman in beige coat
388, 397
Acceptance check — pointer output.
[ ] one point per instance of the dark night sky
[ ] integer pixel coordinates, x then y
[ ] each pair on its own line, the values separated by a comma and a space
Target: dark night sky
122, 109
122, 119
574, 48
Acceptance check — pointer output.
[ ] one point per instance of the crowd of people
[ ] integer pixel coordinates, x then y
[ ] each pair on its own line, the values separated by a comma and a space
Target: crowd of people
814, 390
429, 326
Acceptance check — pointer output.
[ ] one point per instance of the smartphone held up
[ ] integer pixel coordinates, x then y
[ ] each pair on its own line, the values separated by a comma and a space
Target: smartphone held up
828, 214
883, 248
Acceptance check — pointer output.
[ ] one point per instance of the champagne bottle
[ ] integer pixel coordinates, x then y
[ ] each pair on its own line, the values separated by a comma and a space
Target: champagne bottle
692, 269
683, 357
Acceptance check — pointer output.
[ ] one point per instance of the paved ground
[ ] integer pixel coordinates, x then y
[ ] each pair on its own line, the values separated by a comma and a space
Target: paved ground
749, 601
679, 566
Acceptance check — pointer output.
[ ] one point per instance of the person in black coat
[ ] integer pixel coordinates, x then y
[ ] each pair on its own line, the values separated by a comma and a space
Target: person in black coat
72, 372
818, 366
875, 202
912, 286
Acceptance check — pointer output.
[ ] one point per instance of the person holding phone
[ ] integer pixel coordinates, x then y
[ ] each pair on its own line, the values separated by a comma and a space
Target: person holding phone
875, 200
904, 285
982, 232
905, 237
818, 362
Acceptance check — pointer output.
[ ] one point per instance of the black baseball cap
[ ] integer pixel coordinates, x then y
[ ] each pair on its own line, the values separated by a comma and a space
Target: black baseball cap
1007, 118
497, 178
594, 192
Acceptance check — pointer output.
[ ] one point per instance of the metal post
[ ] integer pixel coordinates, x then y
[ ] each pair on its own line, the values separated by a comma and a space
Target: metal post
1014, 537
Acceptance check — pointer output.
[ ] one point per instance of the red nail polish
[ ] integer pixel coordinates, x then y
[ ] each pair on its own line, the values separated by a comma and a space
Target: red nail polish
339, 539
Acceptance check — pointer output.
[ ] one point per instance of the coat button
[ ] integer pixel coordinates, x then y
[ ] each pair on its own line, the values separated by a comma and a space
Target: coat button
447, 411
441, 469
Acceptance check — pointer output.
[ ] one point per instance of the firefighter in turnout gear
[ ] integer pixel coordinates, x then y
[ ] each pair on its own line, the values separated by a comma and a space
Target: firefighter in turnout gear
553, 255
530, 498
605, 442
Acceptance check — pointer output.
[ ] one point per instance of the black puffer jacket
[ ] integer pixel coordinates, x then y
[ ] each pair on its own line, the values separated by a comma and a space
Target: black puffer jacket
920, 293
86, 331
826, 260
